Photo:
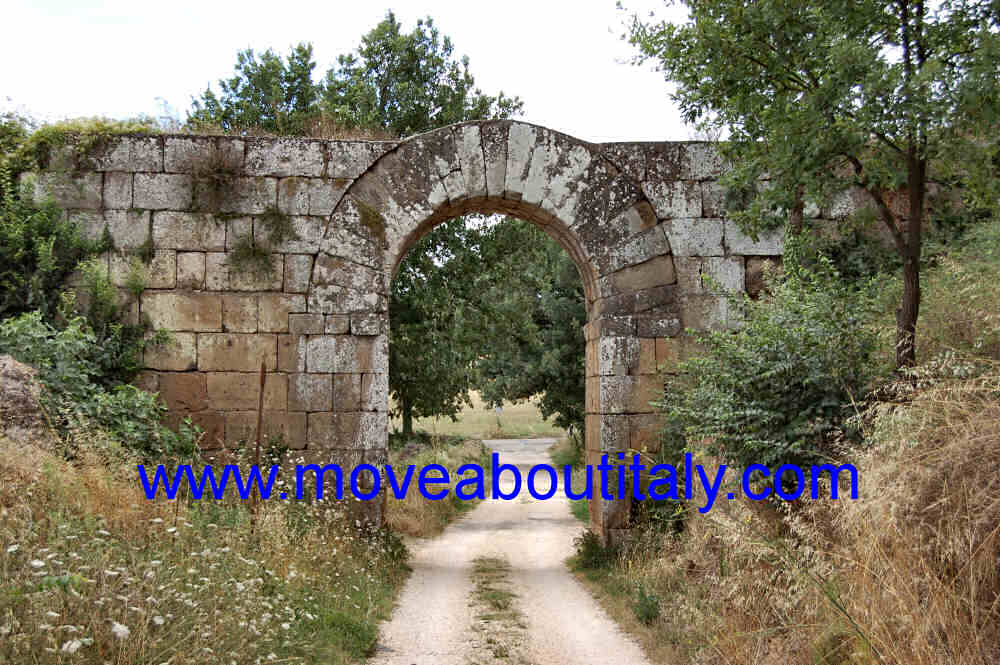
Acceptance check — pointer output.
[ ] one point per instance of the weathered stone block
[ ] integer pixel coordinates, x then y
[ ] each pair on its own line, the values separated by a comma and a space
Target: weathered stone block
657, 271
191, 270
159, 273
275, 309
321, 352
636, 249
251, 278
713, 199
231, 391
212, 424
644, 432
291, 353
216, 271
239, 313
180, 354
617, 355
249, 196
90, 222
306, 324
238, 231
293, 196
184, 391
190, 231
338, 324
129, 229
128, 153
658, 325
355, 354
118, 190
349, 159
310, 392
696, 275
241, 426
285, 157
614, 433
162, 191
298, 271
695, 237
308, 231
147, 381
375, 392
707, 312
346, 392
334, 430
235, 352
335, 299
700, 161
671, 200
367, 324
196, 312
768, 243
333, 270
325, 194
647, 357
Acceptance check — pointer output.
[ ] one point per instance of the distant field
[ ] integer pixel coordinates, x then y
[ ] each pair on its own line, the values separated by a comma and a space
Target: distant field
481, 422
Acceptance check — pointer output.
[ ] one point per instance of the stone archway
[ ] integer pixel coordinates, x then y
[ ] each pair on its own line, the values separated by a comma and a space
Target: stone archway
571, 189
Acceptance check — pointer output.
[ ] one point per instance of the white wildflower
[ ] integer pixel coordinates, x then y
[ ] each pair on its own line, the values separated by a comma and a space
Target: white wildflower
13, 548
71, 646
37, 563
158, 620
120, 631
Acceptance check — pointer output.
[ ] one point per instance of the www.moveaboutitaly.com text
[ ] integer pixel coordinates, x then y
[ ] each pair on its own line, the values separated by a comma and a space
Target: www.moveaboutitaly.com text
505, 481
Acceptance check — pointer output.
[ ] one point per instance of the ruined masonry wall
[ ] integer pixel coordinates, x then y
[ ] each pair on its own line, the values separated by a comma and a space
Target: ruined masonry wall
643, 222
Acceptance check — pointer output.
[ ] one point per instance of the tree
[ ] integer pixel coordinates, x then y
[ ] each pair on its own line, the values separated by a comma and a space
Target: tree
407, 83
538, 346
821, 97
272, 94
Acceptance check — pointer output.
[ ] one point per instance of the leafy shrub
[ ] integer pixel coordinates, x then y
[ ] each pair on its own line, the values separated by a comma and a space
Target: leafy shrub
646, 606
591, 553
39, 248
777, 390
70, 367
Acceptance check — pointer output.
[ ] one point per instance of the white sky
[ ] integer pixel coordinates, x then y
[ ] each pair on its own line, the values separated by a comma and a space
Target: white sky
115, 58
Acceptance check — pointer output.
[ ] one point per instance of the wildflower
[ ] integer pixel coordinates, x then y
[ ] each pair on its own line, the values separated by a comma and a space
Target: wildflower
37, 563
158, 620
120, 631
54, 615
13, 548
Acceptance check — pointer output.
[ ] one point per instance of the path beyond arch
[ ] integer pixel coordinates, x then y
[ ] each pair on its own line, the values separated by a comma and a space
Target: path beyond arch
435, 621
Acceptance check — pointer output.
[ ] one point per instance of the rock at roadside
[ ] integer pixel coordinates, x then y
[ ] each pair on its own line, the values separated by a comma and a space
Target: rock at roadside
21, 417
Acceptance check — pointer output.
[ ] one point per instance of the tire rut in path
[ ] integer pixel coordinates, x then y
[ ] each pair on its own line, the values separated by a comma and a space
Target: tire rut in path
434, 622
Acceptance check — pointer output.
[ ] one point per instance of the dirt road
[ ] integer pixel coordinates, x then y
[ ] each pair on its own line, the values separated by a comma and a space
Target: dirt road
438, 621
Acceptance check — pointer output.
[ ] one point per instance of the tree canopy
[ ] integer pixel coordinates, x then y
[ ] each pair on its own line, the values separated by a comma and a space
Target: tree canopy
818, 98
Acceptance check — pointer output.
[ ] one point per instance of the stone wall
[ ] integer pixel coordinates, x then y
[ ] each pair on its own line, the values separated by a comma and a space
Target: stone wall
643, 222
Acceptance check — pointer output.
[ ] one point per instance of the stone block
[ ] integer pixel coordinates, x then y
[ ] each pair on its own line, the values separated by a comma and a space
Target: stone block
195, 312
338, 324
233, 391
285, 157
768, 243
249, 196
184, 391
189, 231
306, 324
334, 270
347, 392
349, 159
216, 271
325, 194
236, 352
128, 153
118, 191
674, 199
355, 354
636, 249
213, 426
289, 426
293, 196
159, 273
695, 237
375, 392
659, 325
310, 392
614, 433
129, 229
321, 352
239, 313
367, 324
468, 143
291, 353
90, 223
696, 275
298, 272
238, 231
617, 393
334, 430
252, 278
81, 191
162, 191
707, 312
180, 354
713, 199
644, 432
191, 270
275, 309
308, 235
617, 355
648, 388
657, 271
335, 299
700, 161
147, 381
494, 142
647, 357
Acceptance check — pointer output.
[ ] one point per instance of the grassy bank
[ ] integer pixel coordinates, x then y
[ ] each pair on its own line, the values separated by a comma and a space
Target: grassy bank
92, 571
522, 420
906, 575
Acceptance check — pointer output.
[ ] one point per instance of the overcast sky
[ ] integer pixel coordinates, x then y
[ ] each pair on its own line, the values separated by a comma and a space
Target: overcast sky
117, 58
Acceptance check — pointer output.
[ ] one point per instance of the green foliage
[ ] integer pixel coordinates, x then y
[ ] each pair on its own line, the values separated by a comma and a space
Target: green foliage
39, 248
646, 606
778, 390
72, 365
253, 255
407, 83
84, 137
591, 554
884, 96
269, 93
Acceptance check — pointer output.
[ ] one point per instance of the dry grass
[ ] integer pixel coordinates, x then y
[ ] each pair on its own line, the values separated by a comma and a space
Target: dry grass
522, 420
93, 572
417, 516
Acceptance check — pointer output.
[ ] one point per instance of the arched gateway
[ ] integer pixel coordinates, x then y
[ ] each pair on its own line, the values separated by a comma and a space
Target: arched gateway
642, 221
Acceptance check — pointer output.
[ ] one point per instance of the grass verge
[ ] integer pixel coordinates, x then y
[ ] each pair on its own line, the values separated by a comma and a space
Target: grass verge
499, 625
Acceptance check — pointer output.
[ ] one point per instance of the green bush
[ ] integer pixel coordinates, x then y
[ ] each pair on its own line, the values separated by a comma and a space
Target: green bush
778, 390
69, 362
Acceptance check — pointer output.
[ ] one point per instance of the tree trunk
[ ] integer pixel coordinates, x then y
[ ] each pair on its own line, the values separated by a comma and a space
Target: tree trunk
407, 411
909, 309
795, 216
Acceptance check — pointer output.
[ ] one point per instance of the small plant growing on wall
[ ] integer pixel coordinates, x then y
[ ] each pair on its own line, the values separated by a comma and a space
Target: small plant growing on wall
252, 252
